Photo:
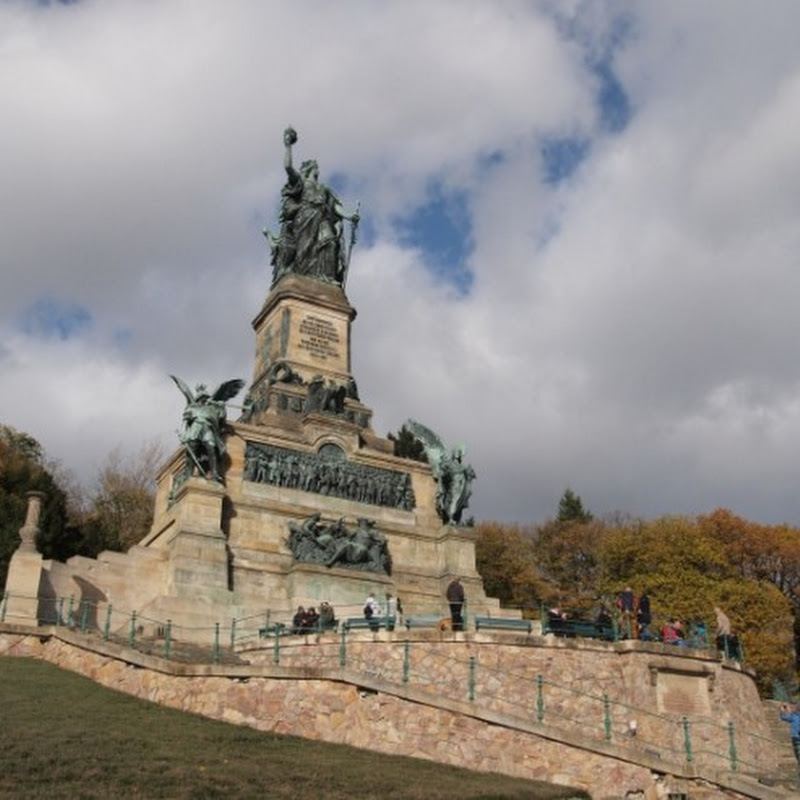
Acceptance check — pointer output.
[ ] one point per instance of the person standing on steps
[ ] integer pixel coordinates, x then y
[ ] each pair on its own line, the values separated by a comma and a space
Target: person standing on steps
455, 597
791, 713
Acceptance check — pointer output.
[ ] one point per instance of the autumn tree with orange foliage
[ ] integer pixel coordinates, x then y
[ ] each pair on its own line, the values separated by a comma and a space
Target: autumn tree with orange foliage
686, 565
505, 558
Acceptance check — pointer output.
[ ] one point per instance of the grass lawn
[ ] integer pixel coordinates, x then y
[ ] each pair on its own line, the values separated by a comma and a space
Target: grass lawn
63, 736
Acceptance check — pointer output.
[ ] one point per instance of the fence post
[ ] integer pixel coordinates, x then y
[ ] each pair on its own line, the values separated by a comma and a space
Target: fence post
216, 642
233, 632
343, 649
539, 698
276, 648
84, 614
107, 628
5, 606
472, 678
687, 741
732, 738
406, 665
70, 613
607, 716
167, 639
59, 617
132, 633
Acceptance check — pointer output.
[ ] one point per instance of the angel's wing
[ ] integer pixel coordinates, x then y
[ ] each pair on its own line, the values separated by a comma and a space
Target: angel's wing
434, 446
228, 389
185, 390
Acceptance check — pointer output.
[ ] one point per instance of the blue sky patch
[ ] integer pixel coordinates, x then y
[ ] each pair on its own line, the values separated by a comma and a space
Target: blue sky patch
50, 318
612, 100
349, 197
561, 157
442, 230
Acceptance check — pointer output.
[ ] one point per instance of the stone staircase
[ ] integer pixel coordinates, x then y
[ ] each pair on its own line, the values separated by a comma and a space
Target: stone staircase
787, 773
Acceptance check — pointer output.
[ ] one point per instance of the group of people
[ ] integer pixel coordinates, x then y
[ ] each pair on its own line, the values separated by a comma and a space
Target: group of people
309, 620
634, 615
634, 618
390, 610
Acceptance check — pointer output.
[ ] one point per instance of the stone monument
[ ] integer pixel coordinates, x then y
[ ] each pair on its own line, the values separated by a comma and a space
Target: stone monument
298, 501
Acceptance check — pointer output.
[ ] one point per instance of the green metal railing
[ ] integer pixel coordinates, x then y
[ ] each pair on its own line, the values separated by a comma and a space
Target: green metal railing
444, 671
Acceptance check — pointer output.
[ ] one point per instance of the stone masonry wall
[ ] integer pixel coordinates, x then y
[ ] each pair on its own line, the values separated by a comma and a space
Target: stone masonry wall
292, 698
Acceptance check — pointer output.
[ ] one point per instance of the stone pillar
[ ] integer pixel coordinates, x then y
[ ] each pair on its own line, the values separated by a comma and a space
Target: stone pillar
27, 533
198, 558
25, 569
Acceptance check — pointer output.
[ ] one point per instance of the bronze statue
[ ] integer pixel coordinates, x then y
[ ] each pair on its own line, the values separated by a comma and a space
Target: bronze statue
454, 477
332, 544
311, 241
203, 426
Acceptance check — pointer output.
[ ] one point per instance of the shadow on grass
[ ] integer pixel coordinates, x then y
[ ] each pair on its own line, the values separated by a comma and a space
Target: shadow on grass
64, 736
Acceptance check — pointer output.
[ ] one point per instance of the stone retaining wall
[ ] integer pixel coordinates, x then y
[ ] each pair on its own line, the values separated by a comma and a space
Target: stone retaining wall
303, 697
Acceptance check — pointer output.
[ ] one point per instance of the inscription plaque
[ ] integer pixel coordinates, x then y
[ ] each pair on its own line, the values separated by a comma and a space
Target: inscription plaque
683, 694
319, 337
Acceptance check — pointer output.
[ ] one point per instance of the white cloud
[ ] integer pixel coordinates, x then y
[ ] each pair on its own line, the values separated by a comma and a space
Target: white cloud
630, 332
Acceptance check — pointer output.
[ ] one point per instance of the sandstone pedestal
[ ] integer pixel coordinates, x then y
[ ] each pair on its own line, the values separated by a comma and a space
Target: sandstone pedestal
22, 587
25, 568
303, 446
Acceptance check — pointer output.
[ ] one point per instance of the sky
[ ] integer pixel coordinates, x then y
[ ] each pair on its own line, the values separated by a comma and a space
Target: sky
578, 253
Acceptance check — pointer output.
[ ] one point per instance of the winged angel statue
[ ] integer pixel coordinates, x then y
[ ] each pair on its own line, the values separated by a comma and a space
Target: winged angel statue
453, 476
203, 425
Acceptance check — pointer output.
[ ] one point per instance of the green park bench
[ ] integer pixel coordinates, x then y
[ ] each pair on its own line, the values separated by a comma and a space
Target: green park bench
372, 624
275, 629
425, 621
282, 629
573, 628
504, 623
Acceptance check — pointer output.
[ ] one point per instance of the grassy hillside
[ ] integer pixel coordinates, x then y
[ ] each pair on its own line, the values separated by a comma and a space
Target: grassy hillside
63, 736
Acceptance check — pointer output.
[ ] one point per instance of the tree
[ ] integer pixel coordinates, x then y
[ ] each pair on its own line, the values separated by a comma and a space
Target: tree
763, 553
570, 508
504, 557
406, 445
120, 507
566, 556
23, 469
686, 565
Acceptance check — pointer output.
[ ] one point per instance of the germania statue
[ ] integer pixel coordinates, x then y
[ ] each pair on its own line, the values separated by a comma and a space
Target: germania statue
311, 241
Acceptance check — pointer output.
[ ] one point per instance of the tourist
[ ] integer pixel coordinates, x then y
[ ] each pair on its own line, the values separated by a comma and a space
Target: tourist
299, 621
557, 621
699, 634
791, 713
643, 617
626, 603
371, 611
456, 598
327, 617
312, 619
672, 633
727, 641
605, 622
391, 611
